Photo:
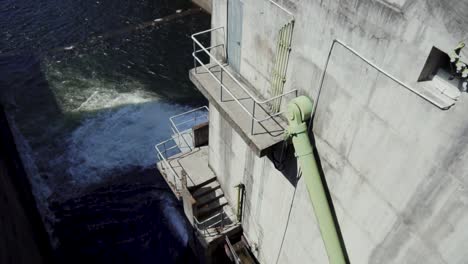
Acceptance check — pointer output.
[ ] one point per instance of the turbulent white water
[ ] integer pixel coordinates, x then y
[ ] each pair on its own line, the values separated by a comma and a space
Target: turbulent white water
120, 122
88, 110
116, 135
117, 140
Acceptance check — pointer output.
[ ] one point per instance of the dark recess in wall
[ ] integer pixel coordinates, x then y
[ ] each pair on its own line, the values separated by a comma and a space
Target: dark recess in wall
436, 60
23, 236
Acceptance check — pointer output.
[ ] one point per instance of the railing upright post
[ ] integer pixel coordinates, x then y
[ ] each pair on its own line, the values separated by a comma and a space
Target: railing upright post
194, 60
253, 119
224, 44
222, 220
220, 78
221, 93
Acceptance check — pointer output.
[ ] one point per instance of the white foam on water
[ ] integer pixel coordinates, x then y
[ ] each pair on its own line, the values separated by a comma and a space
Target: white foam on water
79, 92
118, 138
110, 99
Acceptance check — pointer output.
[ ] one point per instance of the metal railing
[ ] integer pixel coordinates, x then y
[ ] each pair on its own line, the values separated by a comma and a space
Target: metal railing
234, 255
181, 126
215, 224
205, 225
266, 105
164, 151
184, 122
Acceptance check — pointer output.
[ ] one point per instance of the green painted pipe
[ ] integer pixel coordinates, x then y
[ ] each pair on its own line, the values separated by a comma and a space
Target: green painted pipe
299, 110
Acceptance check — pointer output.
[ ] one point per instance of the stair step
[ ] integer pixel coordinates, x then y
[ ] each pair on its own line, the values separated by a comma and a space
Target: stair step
213, 193
205, 192
198, 186
204, 203
206, 213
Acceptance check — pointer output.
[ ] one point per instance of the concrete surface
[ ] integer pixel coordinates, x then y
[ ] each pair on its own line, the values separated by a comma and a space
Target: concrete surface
394, 163
264, 135
193, 163
205, 4
204, 194
195, 166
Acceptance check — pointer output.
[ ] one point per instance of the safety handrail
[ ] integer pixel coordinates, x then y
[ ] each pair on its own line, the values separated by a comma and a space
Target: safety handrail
204, 230
176, 125
162, 157
234, 79
162, 149
206, 220
235, 257
257, 100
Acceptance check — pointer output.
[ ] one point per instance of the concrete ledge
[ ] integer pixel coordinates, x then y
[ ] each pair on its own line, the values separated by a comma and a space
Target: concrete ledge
265, 135
435, 94
205, 4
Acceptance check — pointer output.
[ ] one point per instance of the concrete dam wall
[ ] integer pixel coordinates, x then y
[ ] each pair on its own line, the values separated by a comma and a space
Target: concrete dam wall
394, 162
23, 238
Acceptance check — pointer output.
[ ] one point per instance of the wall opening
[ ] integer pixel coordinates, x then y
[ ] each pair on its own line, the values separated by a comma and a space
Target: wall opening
447, 73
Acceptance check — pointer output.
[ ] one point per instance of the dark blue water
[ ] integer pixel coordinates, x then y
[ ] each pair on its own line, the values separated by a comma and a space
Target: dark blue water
89, 97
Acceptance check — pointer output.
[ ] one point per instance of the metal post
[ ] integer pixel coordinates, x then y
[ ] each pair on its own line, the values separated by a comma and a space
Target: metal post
221, 96
224, 45
194, 60
253, 117
222, 219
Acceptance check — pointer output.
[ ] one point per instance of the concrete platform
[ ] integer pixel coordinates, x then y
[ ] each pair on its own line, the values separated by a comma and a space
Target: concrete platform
205, 195
264, 135
194, 164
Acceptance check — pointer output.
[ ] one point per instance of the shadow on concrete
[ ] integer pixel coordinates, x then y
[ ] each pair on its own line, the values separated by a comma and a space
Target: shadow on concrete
210, 208
284, 160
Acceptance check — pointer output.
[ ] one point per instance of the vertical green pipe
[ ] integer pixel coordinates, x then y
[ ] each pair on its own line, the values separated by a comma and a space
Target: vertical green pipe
299, 110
